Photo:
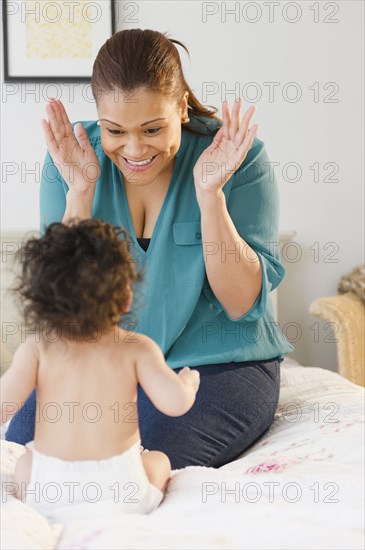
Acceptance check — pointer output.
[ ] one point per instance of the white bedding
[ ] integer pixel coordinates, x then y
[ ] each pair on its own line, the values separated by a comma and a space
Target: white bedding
313, 453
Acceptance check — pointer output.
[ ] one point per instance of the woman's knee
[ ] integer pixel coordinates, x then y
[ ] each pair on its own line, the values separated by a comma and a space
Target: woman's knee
250, 436
22, 426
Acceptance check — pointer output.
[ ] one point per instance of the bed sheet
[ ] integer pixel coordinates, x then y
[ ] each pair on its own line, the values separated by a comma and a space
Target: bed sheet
300, 486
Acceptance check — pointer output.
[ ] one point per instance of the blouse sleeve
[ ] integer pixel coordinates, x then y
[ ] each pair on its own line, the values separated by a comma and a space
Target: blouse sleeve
52, 196
253, 204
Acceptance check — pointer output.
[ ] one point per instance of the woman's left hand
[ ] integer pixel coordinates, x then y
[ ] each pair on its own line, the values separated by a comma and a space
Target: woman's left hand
227, 151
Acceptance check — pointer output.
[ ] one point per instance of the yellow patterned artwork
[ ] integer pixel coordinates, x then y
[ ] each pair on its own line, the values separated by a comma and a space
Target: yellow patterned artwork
54, 30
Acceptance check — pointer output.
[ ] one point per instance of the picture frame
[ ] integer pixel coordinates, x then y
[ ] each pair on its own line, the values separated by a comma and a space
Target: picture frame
54, 41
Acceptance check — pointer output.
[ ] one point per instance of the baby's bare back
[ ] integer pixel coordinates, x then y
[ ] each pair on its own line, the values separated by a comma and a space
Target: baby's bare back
87, 397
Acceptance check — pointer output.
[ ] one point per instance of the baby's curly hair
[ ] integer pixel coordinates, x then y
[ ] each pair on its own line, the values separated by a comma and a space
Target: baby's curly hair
76, 275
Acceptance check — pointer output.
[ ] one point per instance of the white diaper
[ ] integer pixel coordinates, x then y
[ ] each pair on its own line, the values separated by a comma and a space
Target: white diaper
65, 490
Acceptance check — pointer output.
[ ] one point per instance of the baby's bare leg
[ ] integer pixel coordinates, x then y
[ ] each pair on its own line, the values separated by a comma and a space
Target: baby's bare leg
22, 474
158, 468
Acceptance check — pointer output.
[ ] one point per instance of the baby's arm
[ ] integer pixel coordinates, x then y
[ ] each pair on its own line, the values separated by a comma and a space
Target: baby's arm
19, 380
171, 393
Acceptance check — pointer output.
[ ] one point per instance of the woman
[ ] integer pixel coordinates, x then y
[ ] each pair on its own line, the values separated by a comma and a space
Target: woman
195, 194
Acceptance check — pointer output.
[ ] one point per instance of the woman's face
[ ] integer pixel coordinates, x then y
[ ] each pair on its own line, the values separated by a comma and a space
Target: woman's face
142, 126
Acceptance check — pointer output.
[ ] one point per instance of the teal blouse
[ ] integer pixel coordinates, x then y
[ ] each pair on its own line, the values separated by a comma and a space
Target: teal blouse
174, 303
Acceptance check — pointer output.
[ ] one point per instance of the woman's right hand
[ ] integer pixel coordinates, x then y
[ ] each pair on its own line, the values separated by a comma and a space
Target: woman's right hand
190, 376
72, 153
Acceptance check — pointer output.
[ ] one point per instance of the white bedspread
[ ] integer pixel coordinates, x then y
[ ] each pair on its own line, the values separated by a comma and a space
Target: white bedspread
300, 486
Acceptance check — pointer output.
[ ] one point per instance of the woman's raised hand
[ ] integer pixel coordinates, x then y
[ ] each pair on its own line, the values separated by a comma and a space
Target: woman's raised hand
228, 150
72, 153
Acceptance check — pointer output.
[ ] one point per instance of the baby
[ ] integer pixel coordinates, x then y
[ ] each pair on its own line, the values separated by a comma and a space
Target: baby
85, 460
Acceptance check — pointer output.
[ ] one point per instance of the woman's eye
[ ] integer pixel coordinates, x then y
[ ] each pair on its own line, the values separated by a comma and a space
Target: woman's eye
119, 132
153, 130
113, 132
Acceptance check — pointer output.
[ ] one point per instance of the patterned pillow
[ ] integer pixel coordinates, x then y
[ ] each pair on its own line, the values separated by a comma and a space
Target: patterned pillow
354, 282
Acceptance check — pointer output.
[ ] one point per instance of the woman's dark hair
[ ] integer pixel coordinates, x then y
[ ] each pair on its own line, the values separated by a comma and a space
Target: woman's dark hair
136, 58
76, 277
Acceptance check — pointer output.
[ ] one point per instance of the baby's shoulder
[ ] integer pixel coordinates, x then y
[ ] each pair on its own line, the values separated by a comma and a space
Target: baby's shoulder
28, 350
33, 343
131, 341
138, 339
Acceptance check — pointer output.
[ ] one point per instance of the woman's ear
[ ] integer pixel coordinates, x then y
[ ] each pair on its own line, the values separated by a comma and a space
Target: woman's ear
184, 105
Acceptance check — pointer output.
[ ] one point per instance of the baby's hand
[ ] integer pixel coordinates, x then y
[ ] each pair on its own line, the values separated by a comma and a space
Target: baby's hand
190, 376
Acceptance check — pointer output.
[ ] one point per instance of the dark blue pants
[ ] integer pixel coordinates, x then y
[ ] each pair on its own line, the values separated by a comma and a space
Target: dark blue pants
235, 405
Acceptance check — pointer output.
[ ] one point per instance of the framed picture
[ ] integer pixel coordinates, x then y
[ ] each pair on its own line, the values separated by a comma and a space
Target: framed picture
54, 41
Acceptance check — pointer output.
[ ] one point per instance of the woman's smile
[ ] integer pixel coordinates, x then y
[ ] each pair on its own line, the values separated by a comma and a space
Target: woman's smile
138, 166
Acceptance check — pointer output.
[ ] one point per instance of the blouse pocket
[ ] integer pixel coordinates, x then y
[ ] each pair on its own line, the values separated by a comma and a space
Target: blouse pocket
187, 260
187, 233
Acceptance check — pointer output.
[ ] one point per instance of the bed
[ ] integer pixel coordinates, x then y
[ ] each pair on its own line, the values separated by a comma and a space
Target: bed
300, 486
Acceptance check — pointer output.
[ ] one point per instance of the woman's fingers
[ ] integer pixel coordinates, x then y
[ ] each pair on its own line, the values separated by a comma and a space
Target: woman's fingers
59, 129
54, 122
218, 137
231, 121
233, 130
81, 136
57, 110
226, 119
65, 119
235, 119
50, 140
247, 142
242, 131
66, 146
